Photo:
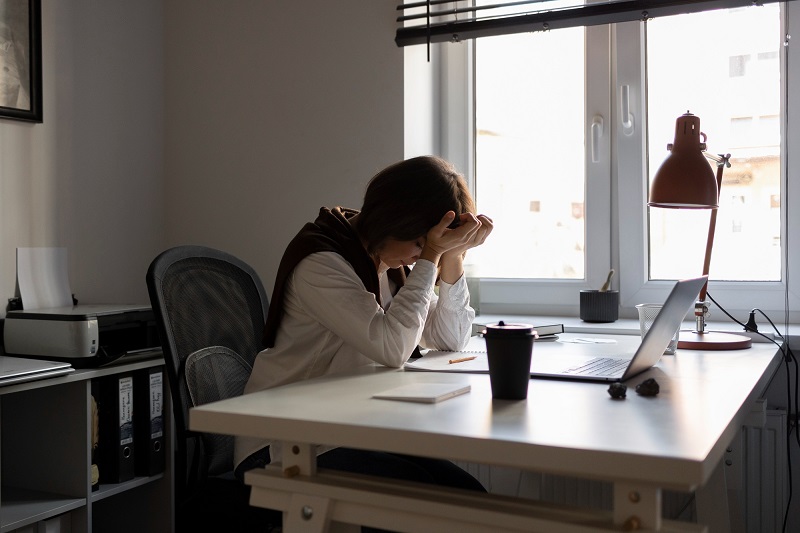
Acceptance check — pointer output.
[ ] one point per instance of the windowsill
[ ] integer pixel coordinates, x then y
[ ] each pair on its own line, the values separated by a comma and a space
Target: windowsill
623, 326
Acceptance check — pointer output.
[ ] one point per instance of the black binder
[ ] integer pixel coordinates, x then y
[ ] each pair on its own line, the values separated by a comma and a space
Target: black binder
94, 442
116, 449
148, 407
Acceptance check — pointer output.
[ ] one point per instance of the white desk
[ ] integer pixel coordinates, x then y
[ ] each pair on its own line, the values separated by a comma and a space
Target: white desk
642, 445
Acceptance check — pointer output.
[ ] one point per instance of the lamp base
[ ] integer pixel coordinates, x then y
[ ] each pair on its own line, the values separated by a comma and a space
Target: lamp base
712, 340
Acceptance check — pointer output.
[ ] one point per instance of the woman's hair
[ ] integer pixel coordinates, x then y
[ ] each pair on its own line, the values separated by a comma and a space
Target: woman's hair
405, 200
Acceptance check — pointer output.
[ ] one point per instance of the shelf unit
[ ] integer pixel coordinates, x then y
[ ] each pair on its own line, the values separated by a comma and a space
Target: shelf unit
45, 461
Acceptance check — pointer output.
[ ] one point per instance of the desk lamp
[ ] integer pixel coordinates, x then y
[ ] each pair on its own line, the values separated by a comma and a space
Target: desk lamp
685, 181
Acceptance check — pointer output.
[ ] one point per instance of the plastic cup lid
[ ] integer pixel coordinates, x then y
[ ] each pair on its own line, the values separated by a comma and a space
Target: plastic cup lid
509, 329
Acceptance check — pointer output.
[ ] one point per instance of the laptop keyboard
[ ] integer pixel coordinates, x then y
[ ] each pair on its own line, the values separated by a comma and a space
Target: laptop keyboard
600, 366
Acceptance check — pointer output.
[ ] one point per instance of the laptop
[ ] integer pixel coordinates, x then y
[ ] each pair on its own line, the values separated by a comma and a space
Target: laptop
19, 369
620, 367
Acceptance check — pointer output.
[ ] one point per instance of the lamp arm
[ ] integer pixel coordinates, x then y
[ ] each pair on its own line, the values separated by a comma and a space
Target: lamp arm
722, 161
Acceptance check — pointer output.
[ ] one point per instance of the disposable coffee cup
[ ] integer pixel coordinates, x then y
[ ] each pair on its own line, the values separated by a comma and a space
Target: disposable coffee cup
508, 349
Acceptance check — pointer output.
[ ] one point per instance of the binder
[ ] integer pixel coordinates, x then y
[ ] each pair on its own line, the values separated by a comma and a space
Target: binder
95, 438
148, 416
116, 449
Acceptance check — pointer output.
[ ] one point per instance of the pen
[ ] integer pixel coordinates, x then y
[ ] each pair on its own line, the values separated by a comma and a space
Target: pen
462, 359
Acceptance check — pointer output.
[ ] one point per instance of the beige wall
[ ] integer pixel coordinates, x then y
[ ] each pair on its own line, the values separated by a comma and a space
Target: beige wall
275, 109
195, 121
90, 177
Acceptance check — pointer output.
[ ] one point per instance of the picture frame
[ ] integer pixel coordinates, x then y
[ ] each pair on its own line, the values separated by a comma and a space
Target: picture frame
21, 60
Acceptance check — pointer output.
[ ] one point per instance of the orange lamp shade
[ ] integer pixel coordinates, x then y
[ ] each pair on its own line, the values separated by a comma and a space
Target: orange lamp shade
685, 179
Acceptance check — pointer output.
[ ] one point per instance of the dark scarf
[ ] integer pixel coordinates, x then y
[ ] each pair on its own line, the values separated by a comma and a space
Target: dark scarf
330, 232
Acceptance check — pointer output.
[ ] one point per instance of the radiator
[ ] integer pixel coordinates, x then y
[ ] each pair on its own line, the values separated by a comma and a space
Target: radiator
762, 479
756, 474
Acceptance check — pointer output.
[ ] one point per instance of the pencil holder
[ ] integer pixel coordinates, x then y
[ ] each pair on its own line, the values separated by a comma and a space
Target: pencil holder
599, 306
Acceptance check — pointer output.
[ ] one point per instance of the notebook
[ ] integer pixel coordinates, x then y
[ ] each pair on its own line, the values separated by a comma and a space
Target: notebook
19, 369
424, 392
617, 367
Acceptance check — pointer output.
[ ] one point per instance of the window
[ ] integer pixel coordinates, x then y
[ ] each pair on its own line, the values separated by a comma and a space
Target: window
566, 126
735, 110
523, 148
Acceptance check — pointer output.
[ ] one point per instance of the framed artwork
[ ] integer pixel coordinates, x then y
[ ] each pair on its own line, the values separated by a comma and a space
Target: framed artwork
21, 60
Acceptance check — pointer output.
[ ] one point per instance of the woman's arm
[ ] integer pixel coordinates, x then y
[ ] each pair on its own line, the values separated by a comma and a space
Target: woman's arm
449, 324
328, 290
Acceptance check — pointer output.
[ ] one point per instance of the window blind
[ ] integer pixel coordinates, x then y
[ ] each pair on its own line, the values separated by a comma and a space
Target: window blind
435, 21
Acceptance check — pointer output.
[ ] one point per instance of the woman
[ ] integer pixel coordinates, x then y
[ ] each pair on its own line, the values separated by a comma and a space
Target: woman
342, 299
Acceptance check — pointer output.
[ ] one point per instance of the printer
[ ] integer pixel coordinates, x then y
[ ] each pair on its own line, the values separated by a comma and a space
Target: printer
85, 335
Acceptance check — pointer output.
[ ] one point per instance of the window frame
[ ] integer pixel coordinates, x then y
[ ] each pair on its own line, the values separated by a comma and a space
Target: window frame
616, 184
737, 297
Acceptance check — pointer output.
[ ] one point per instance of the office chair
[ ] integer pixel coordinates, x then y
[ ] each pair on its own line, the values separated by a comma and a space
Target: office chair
210, 309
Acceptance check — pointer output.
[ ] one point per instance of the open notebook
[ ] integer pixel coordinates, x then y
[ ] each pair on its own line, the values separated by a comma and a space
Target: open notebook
618, 367
19, 369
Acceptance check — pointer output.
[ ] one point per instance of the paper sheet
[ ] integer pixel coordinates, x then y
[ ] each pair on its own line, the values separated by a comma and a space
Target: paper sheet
590, 340
435, 361
42, 277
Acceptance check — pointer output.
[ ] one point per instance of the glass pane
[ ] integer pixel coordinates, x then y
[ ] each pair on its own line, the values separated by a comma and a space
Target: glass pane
722, 66
529, 154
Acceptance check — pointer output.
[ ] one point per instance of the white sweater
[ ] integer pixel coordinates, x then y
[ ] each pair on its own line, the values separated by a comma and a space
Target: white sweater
331, 323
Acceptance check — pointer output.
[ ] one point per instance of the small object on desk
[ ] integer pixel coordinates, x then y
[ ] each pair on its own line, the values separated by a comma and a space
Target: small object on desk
544, 332
600, 305
597, 306
462, 359
607, 284
648, 387
647, 316
548, 330
508, 350
424, 392
617, 391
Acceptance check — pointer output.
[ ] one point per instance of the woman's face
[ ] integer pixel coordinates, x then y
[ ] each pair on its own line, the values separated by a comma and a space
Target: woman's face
396, 253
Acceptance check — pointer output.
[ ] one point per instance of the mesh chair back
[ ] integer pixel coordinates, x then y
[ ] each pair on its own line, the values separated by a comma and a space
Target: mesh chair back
211, 306
212, 374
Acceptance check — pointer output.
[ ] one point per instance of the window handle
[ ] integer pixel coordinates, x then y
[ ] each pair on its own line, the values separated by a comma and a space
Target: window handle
625, 110
597, 132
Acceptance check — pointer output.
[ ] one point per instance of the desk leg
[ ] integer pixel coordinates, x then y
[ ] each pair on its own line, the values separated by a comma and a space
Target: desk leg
712, 502
637, 506
306, 513
299, 459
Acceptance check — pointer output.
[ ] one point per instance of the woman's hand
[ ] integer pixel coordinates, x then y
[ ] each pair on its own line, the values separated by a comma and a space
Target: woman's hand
483, 230
452, 261
449, 245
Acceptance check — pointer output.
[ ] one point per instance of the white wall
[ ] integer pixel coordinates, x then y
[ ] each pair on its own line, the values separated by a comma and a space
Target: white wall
274, 109
195, 121
89, 178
